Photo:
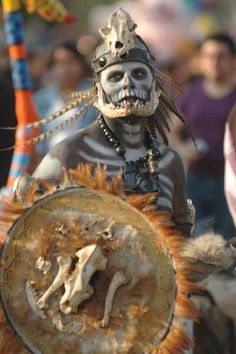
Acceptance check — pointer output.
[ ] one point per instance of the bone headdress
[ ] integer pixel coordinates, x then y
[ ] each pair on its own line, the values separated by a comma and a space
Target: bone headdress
121, 43
119, 34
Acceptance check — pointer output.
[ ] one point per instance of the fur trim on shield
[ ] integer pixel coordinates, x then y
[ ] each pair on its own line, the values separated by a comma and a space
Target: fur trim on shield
176, 341
10, 343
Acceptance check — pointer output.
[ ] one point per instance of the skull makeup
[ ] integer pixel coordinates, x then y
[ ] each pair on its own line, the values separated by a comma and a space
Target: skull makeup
127, 89
125, 83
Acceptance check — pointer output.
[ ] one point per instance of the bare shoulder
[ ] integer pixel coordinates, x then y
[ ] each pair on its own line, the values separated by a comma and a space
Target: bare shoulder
65, 154
171, 165
170, 160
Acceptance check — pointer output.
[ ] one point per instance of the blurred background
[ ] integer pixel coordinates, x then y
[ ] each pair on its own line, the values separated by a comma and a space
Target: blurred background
172, 28
59, 57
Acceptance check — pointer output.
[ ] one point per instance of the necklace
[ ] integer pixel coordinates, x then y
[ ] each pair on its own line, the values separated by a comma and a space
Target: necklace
142, 175
120, 150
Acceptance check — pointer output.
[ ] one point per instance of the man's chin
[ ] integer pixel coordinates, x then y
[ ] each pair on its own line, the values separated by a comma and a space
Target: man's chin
131, 119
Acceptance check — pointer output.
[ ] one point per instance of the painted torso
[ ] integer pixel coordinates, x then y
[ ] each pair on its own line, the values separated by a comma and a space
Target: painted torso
90, 145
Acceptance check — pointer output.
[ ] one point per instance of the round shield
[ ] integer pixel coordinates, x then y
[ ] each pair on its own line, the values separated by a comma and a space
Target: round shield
84, 272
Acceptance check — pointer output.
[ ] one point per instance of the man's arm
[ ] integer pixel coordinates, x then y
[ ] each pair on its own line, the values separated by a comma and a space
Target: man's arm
183, 211
50, 168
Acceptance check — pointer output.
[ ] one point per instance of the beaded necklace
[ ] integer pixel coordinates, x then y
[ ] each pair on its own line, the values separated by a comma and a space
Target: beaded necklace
142, 175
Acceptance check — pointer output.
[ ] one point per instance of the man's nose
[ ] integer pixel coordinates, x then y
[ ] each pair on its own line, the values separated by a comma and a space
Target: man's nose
128, 83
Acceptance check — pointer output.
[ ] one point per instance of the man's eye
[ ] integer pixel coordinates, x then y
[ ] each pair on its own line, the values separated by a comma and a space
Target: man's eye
116, 76
139, 74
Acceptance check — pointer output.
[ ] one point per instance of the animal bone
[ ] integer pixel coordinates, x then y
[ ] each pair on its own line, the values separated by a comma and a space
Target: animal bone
107, 234
42, 265
62, 230
88, 228
77, 287
145, 110
118, 280
119, 34
72, 327
31, 297
64, 266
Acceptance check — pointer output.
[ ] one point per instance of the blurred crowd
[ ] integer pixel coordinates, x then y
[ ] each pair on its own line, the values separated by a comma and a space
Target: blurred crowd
205, 67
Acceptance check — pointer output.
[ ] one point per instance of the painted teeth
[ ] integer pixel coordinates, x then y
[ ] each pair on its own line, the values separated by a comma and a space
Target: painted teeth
137, 104
140, 94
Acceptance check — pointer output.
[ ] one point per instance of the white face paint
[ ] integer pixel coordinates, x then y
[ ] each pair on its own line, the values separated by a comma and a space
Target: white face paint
127, 83
126, 89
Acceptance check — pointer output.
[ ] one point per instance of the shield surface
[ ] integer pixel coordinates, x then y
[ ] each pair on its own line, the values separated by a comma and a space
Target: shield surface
84, 273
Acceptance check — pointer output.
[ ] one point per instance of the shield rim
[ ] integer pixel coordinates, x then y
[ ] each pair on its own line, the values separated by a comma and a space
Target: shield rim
70, 189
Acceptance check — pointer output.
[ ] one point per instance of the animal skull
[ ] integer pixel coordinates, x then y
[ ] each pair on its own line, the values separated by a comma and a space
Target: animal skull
119, 34
77, 287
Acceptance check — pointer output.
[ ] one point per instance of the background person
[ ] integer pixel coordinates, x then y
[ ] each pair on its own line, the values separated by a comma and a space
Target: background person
206, 105
230, 162
69, 73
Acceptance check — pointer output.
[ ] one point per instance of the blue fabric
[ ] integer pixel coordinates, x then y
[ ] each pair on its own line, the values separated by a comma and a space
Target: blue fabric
14, 27
21, 159
20, 74
212, 214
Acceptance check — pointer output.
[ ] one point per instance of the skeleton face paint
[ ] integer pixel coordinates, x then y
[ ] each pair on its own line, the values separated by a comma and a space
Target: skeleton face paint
126, 83
127, 88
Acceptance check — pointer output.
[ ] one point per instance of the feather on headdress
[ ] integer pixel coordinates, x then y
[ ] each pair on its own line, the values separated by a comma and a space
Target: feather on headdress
131, 48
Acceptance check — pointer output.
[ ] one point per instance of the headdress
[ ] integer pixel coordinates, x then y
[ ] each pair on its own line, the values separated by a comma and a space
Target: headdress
120, 44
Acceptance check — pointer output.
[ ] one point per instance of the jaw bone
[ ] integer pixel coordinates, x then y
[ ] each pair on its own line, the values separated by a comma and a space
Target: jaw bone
71, 327
111, 111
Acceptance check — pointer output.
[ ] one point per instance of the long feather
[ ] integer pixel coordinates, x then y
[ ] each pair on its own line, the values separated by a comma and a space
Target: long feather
78, 94
161, 132
151, 126
66, 123
167, 102
167, 80
82, 98
164, 116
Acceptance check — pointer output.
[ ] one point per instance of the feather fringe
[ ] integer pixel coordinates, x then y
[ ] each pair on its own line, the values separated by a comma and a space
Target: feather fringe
10, 343
165, 79
176, 341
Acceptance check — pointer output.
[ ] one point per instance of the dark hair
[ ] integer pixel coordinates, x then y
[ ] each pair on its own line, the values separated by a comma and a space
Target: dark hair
221, 37
71, 47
